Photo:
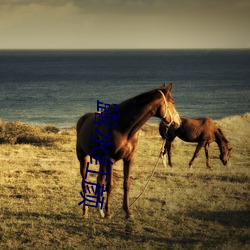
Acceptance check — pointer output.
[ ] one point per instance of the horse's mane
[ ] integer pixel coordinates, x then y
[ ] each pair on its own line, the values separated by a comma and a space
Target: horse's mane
141, 98
219, 135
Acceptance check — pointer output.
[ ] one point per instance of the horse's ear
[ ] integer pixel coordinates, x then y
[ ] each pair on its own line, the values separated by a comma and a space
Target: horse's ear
169, 88
163, 86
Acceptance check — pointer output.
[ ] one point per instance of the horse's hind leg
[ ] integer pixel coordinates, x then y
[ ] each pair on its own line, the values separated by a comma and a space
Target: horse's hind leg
83, 159
109, 187
101, 184
207, 155
196, 152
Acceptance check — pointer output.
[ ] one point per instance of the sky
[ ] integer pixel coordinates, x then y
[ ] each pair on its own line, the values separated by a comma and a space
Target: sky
124, 24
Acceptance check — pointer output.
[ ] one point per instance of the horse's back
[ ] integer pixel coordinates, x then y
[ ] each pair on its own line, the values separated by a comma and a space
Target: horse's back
195, 130
205, 122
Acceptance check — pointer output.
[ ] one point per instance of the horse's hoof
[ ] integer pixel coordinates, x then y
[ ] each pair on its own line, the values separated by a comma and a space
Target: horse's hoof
85, 216
108, 216
101, 213
130, 217
85, 212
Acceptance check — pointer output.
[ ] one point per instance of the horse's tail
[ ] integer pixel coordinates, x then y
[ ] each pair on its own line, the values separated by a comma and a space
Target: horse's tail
79, 124
79, 150
163, 130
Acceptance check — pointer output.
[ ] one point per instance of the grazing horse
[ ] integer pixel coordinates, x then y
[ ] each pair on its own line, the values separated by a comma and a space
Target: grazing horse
203, 131
133, 114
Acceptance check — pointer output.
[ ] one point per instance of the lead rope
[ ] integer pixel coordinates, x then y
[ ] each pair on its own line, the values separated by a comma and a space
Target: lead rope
150, 177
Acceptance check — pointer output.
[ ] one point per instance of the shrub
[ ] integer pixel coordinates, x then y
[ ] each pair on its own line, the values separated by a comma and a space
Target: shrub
52, 129
21, 133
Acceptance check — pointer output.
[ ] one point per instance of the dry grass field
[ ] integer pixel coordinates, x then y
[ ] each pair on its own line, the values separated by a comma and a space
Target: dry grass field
182, 208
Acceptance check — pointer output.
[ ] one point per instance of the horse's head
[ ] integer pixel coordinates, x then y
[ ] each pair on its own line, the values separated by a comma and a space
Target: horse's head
167, 111
224, 147
225, 155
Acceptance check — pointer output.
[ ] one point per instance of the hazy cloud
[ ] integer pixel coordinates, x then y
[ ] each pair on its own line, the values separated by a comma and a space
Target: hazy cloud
133, 6
153, 5
124, 23
30, 2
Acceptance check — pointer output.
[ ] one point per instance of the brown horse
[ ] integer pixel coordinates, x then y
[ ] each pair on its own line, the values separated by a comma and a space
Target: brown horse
203, 131
133, 114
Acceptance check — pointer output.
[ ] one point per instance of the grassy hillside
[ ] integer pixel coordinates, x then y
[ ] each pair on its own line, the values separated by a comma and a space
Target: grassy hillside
181, 209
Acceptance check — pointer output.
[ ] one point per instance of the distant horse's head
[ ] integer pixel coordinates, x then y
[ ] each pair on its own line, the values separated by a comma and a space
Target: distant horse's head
224, 149
224, 157
167, 111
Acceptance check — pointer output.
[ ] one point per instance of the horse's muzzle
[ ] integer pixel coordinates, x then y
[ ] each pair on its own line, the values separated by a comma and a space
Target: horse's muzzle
176, 121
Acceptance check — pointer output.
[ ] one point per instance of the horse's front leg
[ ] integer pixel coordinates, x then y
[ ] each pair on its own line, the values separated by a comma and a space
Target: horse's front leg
126, 185
109, 187
163, 152
207, 155
197, 150
169, 147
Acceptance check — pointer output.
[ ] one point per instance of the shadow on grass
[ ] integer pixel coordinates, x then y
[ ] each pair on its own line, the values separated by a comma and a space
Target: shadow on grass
97, 230
236, 219
35, 215
224, 178
140, 234
119, 230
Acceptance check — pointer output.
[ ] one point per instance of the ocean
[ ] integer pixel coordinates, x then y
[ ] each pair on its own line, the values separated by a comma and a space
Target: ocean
57, 87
